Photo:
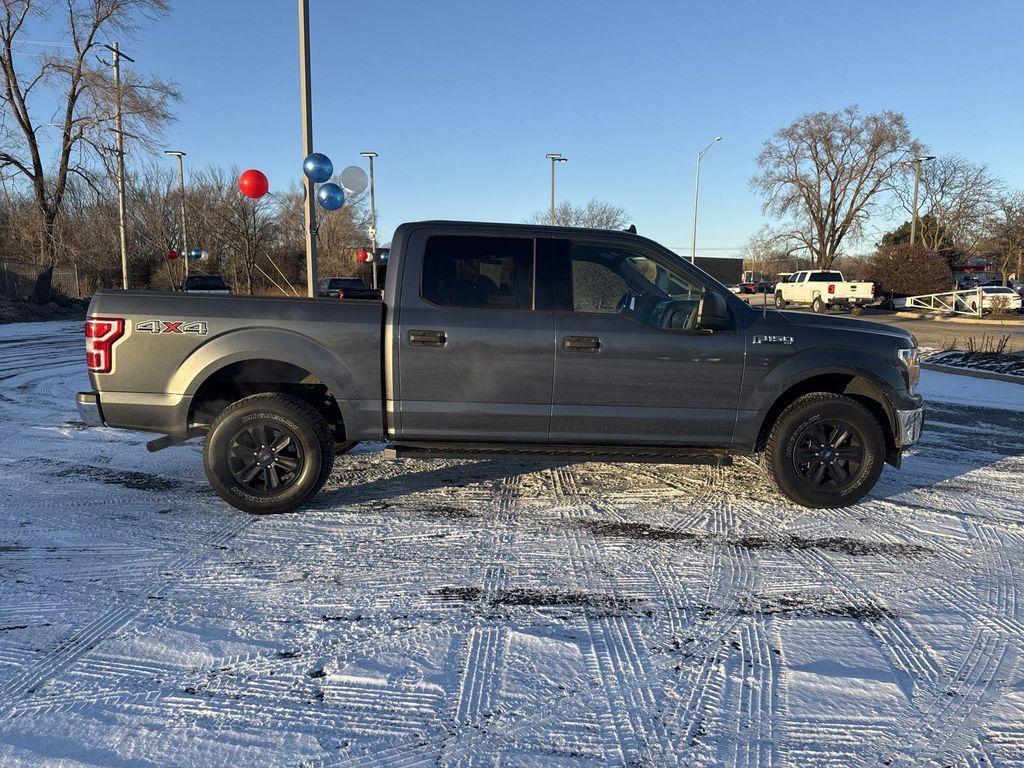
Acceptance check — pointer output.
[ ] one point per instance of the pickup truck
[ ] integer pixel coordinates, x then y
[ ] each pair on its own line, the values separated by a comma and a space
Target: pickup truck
346, 288
503, 340
823, 289
212, 285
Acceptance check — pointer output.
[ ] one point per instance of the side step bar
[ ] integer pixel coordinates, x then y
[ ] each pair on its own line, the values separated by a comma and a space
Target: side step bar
548, 452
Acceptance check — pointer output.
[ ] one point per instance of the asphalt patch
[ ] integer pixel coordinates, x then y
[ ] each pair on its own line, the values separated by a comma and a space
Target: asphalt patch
136, 481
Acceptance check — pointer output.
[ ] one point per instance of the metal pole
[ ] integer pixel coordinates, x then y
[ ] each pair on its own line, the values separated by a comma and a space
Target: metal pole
181, 185
122, 210
307, 146
552, 191
917, 181
696, 197
373, 226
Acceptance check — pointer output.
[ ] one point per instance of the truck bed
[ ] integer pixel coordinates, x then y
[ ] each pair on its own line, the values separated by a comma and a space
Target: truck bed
174, 343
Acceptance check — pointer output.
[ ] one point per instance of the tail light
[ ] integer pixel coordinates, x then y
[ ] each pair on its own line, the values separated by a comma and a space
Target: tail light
341, 294
831, 288
100, 335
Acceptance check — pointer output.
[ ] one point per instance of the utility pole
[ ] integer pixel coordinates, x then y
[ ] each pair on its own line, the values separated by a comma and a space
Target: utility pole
181, 184
307, 147
373, 217
696, 197
917, 180
122, 209
554, 157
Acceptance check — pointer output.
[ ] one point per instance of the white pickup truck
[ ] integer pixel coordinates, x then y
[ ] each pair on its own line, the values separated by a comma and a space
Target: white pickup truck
823, 289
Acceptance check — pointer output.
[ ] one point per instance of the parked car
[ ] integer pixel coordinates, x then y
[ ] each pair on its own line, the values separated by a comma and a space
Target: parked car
736, 289
347, 288
823, 289
992, 297
506, 341
206, 284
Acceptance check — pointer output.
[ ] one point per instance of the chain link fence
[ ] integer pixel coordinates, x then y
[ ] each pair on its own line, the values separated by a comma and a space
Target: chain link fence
17, 278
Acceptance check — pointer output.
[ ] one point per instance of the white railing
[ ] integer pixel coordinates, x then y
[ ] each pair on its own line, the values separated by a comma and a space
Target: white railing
957, 302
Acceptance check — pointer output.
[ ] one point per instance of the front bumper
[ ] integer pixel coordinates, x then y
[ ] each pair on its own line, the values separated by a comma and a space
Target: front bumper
910, 424
89, 409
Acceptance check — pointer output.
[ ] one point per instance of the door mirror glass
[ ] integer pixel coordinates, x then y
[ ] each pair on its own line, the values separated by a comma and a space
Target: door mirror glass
713, 314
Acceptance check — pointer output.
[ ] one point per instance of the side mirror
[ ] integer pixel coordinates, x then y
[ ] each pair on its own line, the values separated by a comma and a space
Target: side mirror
713, 314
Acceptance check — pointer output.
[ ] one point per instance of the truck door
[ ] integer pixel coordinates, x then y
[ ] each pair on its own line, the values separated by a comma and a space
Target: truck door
631, 365
475, 345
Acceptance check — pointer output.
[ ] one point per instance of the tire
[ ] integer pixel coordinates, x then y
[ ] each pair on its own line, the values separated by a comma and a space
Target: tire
300, 467
818, 306
780, 303
857, 311
811, 422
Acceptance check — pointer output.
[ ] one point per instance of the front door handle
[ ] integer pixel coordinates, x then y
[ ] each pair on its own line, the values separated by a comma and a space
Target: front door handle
427, 338
581, 343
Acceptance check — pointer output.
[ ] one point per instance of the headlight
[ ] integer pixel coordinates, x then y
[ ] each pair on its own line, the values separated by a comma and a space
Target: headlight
912, 360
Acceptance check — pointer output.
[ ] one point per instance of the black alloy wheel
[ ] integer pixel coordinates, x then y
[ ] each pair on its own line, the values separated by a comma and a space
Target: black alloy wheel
829, 454
265, 457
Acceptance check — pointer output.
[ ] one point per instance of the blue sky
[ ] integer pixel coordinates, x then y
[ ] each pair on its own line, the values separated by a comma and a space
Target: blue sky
463, 99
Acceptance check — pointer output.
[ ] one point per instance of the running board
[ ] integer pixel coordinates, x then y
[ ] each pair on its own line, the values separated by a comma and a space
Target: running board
547, 452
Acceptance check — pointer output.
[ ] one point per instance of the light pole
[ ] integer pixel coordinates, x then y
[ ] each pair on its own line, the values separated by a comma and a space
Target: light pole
554, 157
307, 146
373, 217
181, 185
696, 197
122, 209
917, 180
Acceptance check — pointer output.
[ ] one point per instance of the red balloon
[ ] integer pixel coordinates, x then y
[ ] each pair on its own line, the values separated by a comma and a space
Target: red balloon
172, 254
363, 255
253, 184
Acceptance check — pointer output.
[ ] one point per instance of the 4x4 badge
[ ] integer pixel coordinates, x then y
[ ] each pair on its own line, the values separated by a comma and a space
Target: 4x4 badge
197, 328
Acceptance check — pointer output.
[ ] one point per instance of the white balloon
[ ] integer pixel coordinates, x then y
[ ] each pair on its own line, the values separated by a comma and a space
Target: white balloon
353, 179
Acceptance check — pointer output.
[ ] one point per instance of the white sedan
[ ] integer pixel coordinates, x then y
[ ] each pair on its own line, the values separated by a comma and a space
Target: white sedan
993, 297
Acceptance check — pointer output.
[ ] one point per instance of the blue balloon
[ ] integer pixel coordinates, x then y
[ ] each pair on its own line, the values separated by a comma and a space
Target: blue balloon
195, 253
330, 196
318, 168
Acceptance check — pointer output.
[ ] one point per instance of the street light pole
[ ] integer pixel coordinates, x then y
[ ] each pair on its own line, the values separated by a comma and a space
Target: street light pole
309, 212
181, 185
122, 209
554, 157
696, 197
373, 217
917, 180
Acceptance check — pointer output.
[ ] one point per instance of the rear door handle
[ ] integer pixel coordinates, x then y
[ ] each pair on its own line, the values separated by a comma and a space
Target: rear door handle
427, 338
581, 343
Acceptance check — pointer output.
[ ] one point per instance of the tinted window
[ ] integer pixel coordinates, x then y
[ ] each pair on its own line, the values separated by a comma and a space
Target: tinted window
342, 283
826, 277
610, 280
205, 283
479, 272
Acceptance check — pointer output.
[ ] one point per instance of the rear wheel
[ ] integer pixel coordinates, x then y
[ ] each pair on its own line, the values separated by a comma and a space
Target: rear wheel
780, 303
268, 453
826, 451
818, 306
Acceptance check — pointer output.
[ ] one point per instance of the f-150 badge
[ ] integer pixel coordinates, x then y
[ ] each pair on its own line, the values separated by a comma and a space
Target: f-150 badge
772, 340
196, 328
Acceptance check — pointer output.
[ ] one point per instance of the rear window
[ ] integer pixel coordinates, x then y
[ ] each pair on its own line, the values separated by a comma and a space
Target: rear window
478, 272
345, 283
997, 289
826, 277
205, 283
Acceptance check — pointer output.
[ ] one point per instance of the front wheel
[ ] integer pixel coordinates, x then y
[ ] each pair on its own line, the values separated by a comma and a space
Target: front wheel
826, 451
268, 453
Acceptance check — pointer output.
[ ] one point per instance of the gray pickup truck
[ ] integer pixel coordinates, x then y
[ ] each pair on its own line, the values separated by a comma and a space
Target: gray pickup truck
501, 340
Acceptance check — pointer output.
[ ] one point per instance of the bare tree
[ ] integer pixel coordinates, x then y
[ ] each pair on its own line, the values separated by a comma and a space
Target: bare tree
825, 171
959, 197
594, 214
1005, 239
770, 251
83, 92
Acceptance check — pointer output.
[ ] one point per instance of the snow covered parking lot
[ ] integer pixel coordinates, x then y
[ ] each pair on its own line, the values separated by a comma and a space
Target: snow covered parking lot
460, 613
